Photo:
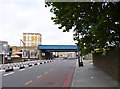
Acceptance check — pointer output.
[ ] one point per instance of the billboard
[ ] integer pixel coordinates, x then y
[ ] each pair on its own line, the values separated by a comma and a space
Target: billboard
33, 54
25, 53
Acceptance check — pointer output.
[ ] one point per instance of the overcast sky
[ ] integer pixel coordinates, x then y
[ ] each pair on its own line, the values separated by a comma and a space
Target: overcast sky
20, 16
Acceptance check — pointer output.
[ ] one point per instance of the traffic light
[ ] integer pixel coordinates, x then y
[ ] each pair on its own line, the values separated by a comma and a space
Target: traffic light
10, 51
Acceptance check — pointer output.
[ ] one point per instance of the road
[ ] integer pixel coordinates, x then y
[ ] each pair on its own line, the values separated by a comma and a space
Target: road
58, 73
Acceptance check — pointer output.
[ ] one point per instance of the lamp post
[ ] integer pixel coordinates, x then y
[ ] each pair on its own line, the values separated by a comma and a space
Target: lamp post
78, 57
80, 63
76, 37
4, 48
23, 51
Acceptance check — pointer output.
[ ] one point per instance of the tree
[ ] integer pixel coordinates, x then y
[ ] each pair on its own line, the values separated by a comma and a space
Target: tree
95, 24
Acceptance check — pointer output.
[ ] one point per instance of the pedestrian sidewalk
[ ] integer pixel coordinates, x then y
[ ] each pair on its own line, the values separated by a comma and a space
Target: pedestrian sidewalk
91, 76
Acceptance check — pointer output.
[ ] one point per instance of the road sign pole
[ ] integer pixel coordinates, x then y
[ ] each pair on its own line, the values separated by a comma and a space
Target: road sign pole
78, 58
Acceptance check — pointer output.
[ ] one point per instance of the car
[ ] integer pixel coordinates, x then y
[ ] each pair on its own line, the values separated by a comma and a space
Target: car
65, 57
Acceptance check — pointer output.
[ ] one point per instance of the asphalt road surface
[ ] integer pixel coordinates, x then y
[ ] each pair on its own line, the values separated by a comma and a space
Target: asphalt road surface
58, 73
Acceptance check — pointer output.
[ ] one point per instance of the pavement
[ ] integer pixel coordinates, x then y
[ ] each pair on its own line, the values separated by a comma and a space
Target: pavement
91, 76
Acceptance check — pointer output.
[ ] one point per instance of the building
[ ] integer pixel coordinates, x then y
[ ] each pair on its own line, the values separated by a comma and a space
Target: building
3, 47
3, 50
32, 39
18, 50
66, 54
28, 46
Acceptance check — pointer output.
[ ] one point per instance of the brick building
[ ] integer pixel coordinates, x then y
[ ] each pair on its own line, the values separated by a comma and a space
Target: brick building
32, 39
3, 49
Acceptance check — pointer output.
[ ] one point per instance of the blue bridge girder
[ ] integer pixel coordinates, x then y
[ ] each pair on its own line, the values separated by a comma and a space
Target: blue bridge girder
58, 48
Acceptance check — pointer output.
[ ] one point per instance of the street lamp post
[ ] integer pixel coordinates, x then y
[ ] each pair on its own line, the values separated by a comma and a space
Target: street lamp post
23, 51
80, 63
78, 51
78, 57
3, 52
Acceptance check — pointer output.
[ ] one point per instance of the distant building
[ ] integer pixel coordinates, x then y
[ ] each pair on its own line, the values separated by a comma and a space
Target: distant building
28, 45
32, 39
66, 54
3, 47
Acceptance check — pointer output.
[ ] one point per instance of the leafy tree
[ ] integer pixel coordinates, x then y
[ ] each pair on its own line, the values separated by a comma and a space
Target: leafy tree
95, 24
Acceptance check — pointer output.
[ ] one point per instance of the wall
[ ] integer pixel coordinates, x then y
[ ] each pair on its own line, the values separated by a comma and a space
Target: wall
0, 58
18, 48
89, 56
109, 63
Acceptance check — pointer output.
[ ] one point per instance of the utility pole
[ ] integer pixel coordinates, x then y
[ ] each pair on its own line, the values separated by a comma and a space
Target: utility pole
23, 46
78, 48
80, 63
22, 42
78, 57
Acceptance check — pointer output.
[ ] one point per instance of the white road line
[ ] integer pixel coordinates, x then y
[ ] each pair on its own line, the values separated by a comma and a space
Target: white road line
30, 67
39, 76
2, 70
21, 69
50, 70
91, 77
15, 67
8, 74
91, 63
45, 72
76, 63
28, 82
73, 79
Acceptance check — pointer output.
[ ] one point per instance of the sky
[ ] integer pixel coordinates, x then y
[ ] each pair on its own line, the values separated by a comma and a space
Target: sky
30, 16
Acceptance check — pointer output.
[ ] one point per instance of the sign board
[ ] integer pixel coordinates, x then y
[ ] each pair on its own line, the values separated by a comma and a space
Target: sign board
33, 54
25, 53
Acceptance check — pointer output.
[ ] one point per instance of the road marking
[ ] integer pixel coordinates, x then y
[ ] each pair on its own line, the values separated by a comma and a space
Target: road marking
45, 72
21, 69
39, 76
76, 63
50, 70
2, 70
67, 80
91, 77
15, 67
8, 74
91, 63
28, 82
30, 67
73, 79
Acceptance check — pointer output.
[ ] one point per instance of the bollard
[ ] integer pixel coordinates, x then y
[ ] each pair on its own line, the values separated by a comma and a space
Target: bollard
81, 63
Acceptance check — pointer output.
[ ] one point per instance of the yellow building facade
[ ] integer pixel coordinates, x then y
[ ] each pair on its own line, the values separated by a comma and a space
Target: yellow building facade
32, 39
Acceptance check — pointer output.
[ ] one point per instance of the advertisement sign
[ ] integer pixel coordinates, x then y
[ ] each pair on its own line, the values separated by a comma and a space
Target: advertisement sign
33, 54
25, 53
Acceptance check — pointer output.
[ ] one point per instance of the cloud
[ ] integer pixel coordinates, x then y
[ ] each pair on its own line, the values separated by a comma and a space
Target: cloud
19, 16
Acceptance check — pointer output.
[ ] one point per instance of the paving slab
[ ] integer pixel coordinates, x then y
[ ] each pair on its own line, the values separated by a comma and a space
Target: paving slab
91, 76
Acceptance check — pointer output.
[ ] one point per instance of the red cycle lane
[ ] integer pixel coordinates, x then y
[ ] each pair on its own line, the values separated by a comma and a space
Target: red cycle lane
68, 80
58, 77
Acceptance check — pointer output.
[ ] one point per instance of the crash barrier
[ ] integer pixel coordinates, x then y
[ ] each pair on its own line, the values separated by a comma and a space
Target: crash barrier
21, 65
